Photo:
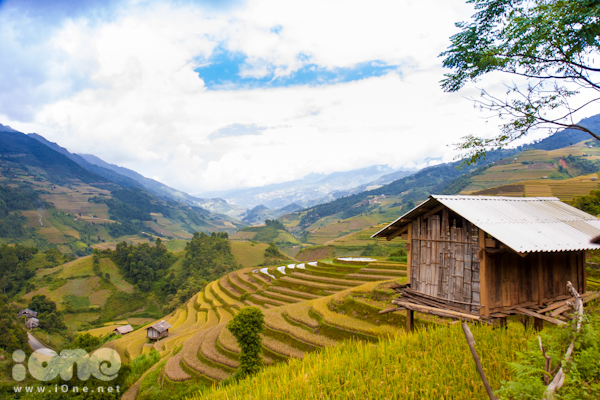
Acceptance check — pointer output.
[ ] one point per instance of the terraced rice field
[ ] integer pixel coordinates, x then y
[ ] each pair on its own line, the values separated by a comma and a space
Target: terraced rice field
299, 304
565, 189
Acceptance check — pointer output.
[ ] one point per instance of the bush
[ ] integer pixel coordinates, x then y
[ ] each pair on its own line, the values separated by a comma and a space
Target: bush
582, 371
246, 327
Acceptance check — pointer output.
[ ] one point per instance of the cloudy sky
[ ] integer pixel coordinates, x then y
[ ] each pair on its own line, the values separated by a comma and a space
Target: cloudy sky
209, 95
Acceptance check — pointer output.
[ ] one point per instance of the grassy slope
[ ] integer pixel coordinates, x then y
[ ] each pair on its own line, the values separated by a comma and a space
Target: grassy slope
63, 225
74, 285
248, 254
209, 352
538, 164
434, 364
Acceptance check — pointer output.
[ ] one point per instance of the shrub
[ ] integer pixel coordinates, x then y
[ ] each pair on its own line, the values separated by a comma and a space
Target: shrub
582, 372
246, 327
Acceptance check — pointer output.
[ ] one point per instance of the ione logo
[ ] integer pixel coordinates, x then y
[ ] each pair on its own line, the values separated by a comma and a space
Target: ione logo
103, 364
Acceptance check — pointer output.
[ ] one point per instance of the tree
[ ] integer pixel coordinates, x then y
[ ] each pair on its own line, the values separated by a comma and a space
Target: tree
550, 43
84, 341
273, 252
246, 326
42, 304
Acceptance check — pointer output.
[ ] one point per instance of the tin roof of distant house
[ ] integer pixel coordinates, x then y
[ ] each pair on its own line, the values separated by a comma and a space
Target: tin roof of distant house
525, 224
27, 311
160, 326
124, 329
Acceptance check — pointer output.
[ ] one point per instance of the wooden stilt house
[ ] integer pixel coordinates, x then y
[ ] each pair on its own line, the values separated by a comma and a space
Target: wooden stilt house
158, 331
495, 256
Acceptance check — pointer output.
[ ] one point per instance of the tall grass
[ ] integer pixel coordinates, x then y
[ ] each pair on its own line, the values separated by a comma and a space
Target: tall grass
428, 364
141, 364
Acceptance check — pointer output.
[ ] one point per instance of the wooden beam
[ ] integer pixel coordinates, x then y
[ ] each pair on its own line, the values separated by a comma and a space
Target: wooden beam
397, 232
530, 313
434, 211
436, 311
389, 310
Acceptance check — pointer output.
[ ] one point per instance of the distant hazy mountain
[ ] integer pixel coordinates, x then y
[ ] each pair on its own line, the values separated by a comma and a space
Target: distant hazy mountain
215, 204
6, 128
438, 179
128, 178
568, 137
310, 190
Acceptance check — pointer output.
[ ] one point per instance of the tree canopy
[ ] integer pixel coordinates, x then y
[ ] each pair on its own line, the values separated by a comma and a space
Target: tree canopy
551, 45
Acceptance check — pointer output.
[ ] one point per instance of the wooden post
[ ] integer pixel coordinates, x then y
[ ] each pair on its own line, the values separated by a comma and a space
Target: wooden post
538, 324
471, 343
410, 321
483, 277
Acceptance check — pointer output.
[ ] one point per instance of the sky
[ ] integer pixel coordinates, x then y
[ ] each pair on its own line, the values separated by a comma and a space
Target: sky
217, 95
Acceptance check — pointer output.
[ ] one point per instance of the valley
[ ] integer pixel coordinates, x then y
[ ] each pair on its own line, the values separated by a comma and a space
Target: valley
130, 256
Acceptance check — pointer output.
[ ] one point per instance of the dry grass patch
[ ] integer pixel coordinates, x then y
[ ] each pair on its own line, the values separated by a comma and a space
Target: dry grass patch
246, 280
210, 297
281, 348
228, 289
228, 341
210, 352
347, 323
173, 369
276, 321
281, 297
295, 293
300, 313
190, 351
324, 286
191, 316
366, 277
223, 297
267, 300
316, 278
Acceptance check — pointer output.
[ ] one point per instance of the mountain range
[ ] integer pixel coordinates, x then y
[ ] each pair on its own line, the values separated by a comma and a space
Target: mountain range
313, 188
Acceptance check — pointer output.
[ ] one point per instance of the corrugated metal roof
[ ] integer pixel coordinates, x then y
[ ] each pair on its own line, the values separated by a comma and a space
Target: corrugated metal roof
160, 326
525, 224
124, 329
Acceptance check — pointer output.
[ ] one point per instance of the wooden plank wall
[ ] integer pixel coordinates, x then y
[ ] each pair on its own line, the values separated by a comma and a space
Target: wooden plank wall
538, 277
444, 260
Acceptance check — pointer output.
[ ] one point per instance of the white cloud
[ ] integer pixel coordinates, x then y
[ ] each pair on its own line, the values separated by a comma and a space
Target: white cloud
139, 103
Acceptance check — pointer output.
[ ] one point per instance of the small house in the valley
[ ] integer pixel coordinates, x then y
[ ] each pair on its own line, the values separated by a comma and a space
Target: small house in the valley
494, 256
158, 331
32, 323
27, 313
123, 330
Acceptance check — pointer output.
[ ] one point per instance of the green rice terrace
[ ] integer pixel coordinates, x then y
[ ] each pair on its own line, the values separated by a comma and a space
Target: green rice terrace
306, 306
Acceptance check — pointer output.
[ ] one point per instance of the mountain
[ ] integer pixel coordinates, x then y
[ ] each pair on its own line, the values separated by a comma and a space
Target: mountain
73, 208
128, 178
16, 147
310, 190
568, 137
6, 128
449, 179
215, 205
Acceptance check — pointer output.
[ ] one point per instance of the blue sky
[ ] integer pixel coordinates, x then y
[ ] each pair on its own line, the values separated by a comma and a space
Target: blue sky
225, 70
215, 95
